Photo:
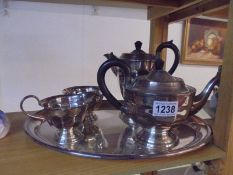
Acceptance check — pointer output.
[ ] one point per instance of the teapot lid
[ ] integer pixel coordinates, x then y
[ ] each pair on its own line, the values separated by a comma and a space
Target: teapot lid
160, 82
137, 54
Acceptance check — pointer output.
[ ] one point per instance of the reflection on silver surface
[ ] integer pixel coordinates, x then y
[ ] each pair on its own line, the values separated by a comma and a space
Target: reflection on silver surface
160, 139
94, 103
110, 138
68, 136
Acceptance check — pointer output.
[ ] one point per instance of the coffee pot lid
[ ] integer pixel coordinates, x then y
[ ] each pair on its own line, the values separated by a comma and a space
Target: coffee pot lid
159, 81
137, 54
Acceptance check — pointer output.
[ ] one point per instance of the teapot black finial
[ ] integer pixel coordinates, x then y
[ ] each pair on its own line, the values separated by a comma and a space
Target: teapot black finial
138, 45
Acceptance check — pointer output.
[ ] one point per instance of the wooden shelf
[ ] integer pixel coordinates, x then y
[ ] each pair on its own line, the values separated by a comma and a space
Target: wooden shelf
173, 10
21, 155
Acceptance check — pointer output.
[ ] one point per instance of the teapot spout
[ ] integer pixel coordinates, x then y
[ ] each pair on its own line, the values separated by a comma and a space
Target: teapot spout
112, 56
200, 100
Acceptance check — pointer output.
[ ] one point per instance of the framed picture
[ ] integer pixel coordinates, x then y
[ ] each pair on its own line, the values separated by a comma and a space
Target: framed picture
203, 41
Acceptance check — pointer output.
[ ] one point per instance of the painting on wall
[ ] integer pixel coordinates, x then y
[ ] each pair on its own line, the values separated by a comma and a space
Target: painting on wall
203, 41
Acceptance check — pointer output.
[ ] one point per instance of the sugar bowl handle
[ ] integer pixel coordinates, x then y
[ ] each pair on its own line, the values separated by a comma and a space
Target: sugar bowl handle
26, 113
101, 78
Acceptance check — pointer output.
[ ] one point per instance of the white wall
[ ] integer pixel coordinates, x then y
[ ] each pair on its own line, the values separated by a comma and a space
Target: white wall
47, 47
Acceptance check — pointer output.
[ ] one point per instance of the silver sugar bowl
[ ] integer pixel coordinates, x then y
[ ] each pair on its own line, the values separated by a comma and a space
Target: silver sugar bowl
65, 112
156, 101
95, 103
88, 127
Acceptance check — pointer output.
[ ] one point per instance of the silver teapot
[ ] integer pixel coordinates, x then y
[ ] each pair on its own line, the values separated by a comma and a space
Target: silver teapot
156, 101
141, 63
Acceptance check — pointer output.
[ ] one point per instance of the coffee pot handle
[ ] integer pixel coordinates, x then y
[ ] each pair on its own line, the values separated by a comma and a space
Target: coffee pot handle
26, 113
170, 45
101, 78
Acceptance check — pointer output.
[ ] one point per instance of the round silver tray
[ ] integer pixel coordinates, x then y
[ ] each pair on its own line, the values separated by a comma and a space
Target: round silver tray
114, 140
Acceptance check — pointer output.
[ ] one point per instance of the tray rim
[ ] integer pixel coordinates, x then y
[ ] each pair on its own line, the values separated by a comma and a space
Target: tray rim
119, 156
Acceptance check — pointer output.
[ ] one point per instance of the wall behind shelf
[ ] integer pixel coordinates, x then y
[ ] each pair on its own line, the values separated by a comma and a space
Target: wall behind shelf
47, 47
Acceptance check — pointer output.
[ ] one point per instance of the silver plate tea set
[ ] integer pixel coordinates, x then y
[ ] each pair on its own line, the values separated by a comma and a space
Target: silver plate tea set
155, 119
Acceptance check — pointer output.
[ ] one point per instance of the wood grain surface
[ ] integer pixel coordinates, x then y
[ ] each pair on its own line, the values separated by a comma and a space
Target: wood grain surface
223, 126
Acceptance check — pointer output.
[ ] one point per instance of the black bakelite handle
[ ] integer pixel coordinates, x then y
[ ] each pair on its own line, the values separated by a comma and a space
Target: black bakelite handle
101, 78
170, 45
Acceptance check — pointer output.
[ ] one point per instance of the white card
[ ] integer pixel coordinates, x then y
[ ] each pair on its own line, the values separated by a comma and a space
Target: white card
165, 108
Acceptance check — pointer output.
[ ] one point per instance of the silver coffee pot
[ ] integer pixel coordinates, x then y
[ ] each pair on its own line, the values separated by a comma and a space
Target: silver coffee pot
141, 63
155, 101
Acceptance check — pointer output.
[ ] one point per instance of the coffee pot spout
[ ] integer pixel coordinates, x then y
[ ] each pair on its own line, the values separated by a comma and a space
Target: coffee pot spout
200, 100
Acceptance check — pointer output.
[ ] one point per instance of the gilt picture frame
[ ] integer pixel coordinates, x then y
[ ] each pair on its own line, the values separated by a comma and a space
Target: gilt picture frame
203, 41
